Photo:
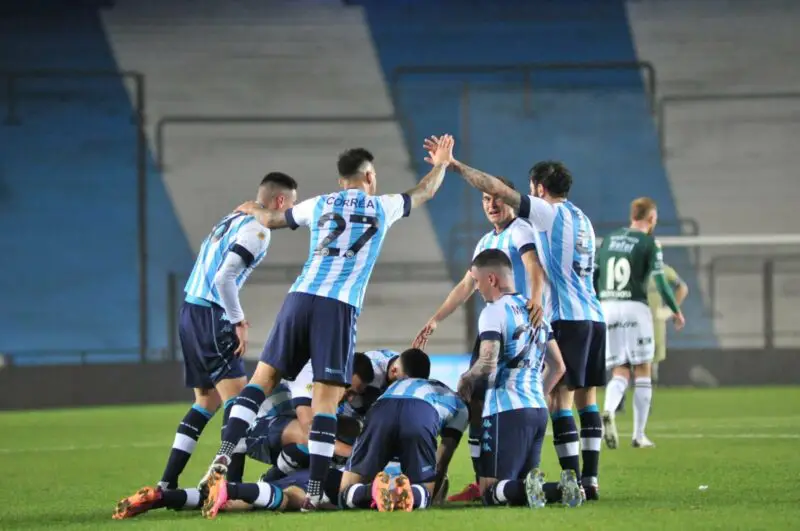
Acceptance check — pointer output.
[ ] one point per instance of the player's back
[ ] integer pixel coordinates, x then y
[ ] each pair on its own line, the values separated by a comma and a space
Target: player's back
514, 241
624, 263
347, 232
566, 251
452, 410
232, 230
516, 381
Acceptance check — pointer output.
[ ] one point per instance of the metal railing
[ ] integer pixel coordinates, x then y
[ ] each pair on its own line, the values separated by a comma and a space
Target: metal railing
13, 118
767, 267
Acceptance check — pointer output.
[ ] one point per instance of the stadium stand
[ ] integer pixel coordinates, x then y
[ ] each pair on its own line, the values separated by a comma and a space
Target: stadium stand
301, 58
597, 120
726, 157
68, 197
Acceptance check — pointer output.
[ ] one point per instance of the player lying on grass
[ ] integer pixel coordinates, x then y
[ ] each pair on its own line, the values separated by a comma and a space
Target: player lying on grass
373, 371
405, 422
264, 441
516, 238
514, 417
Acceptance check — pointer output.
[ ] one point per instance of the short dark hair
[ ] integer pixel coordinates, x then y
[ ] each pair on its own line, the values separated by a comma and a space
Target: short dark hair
416, 364
492, 258
347, 429
351, 160
506, 182
553, 176
279, 179
363, 367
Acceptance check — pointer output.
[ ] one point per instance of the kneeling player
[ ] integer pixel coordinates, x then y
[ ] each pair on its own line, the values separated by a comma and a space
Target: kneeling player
515, 415
405, 422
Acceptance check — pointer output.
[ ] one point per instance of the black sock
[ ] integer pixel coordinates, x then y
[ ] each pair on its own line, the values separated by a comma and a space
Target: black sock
506, 492
566, 441
260, 495
422, 498
330, 488
474, 442
293, 457
181, 499
188, 433
242, 414
552, 492
591, 440
358, 496
321, 440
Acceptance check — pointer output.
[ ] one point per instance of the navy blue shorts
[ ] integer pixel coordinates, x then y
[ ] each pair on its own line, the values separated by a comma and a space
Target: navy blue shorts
583, 347
298, 478
263, 439
402, 428
208, 343
511, 443
480, 386
317, 328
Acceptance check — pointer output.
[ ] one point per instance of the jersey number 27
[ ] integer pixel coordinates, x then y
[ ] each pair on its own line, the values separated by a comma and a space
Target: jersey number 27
339, 226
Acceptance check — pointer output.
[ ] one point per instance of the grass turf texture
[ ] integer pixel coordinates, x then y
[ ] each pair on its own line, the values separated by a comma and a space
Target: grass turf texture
68, 468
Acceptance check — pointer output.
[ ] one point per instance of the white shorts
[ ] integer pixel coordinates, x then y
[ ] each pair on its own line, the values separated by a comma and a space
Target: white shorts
629, 339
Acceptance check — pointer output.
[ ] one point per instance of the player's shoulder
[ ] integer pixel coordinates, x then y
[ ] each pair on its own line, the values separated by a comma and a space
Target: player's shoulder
521, 222
493, 314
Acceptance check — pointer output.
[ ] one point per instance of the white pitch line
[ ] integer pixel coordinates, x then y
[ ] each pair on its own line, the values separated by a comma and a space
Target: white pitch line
656, 435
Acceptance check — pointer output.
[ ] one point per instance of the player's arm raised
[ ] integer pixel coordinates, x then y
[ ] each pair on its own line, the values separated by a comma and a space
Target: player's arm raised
440, 155
458, 296
482, 181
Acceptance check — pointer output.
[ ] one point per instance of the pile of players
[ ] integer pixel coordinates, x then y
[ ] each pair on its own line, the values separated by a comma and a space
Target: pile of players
347, 430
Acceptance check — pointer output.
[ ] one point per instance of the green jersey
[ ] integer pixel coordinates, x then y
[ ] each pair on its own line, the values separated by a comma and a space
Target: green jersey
625, 262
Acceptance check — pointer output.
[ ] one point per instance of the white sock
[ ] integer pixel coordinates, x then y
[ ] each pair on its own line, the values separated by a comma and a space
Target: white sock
642, 395
615, 390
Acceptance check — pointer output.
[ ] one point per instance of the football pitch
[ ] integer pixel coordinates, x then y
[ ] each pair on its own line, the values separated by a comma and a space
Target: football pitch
726, 459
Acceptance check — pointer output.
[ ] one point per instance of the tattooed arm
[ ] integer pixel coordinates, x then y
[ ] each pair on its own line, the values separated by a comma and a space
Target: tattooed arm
488, 184
488, 355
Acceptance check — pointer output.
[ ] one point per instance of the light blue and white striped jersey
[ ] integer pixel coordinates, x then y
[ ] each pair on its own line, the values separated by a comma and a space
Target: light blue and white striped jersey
279, 403
516, 382
347, 232
453, 412
566, 247
235, 233
380, 364
515, 240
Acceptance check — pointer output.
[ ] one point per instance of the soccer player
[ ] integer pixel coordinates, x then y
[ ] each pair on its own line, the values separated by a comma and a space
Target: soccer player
566, 252
372, 373
405, 421
317, 320
285, 494
515, 237
661, 312
625, 262
213, 328
514, 417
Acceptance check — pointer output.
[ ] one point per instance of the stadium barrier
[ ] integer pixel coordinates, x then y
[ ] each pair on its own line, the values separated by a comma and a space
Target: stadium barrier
154, 383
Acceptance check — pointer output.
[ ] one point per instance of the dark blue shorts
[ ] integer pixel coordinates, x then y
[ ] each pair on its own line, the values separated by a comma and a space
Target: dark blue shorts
263, 439
402, 428
583, 347
208, 343
479, 389
298, 478
317, 328
511, 443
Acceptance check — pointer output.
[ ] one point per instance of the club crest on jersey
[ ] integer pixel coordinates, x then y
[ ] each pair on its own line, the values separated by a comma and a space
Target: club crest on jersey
262, 236
355, 202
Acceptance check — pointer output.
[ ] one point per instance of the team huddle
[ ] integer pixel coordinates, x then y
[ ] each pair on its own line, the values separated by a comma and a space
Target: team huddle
345, 430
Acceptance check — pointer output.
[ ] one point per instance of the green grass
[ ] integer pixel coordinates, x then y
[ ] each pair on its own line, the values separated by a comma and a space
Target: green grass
67, 468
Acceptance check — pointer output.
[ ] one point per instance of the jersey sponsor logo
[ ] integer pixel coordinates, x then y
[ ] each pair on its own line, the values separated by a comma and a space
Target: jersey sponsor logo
644, 341
622, 324
354, 202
